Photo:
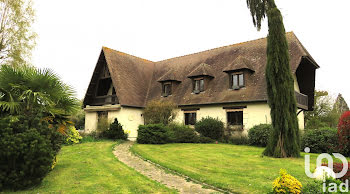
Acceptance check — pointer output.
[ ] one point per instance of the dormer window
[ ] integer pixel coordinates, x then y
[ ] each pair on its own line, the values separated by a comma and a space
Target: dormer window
166, 89
237, 81
198, 85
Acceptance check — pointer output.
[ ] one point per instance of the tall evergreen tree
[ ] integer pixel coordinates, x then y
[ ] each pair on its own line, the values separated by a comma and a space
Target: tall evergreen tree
284, 140
340, 105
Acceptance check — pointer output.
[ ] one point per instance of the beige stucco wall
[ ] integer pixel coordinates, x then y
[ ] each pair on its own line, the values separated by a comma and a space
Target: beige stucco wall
130, 118
90, 121
253, 114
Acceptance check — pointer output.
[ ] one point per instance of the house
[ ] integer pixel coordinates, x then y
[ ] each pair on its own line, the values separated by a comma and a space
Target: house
226, 82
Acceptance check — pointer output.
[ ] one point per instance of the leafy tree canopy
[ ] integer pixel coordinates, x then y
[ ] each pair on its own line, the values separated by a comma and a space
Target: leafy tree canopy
16, 38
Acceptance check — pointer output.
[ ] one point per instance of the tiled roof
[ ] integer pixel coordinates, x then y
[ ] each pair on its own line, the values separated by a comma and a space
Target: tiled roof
137, 80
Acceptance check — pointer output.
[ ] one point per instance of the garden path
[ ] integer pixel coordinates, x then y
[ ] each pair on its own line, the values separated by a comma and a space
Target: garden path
154, 172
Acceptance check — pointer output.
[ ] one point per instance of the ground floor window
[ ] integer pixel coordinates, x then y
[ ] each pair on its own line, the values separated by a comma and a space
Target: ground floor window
235, 118
190, 118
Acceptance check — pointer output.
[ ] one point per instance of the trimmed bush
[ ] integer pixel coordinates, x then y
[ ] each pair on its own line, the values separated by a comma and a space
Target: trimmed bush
115, 131
322, 140
28, 147
210, 127
259, 134
152, 134
344, 133
72, 136
179, 133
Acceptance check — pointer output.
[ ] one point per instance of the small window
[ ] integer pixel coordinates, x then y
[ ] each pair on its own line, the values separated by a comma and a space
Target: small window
102, 115
166, 89
198, 86
190, 118
237, 81
235, 118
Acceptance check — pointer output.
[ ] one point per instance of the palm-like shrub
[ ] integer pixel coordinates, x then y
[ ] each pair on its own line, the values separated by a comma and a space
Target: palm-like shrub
34, 105
28, 91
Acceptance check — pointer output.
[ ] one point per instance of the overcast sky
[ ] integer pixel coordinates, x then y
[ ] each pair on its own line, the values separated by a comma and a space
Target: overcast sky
71, 33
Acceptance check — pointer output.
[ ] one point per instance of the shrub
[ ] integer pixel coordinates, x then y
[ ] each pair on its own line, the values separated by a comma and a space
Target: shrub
179, 133
210, 127
72, 136
28, 147
78, 119
152, 134
157, 112
286, 183
320, 140
259, 135
344, 133
237, 140
115, 131
103, 125
314, 187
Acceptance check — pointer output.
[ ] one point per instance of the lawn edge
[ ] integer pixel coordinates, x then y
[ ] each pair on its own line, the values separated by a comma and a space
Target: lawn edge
112, 148
222, 190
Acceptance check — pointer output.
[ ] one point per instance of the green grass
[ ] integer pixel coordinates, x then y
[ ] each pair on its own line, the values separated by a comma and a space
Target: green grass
92, 168
233, 167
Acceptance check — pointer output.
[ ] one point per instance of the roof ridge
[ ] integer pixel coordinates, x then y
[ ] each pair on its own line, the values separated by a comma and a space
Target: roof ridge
123, 53
217, 48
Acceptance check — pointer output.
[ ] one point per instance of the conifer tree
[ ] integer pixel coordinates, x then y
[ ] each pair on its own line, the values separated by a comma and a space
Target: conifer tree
284, 140
340, 106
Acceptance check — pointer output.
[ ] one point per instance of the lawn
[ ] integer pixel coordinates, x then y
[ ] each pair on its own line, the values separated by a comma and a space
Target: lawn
92, 168
233, 167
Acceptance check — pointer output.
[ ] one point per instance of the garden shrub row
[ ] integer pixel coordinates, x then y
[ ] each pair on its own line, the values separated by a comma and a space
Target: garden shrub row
322, 140
172, 133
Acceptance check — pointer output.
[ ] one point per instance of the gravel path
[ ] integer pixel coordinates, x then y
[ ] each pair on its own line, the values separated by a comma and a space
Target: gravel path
153, 172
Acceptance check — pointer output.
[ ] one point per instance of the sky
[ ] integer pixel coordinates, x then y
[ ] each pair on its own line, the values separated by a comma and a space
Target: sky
71, 33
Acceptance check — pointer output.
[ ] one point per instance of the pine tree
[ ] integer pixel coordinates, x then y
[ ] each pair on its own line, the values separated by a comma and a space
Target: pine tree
284, 140
340, 105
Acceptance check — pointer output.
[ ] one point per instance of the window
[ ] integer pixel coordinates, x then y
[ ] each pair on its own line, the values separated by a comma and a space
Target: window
190, 118
235, 118
198, 86
166, 89
103, 86
102, 115
237, 81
